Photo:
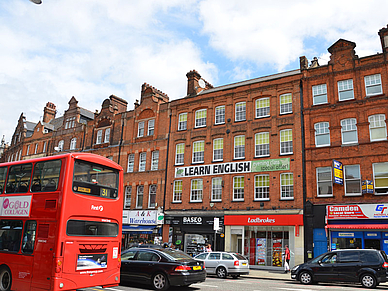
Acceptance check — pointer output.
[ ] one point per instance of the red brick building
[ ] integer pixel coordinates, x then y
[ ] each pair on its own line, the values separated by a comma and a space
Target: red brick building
345, 106
236, 153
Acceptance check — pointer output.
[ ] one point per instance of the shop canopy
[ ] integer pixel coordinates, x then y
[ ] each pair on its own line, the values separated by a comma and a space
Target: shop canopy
357, 226
139, 228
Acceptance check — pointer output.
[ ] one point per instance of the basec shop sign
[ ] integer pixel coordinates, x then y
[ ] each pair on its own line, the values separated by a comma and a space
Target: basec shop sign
357, 211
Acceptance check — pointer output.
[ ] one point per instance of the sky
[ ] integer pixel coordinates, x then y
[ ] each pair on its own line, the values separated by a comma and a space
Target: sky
91, 49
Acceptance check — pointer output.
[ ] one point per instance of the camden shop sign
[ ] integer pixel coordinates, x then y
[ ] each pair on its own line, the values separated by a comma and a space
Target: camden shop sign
233, 168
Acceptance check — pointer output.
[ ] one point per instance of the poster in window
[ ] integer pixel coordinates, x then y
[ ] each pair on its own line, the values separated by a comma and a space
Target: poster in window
261, 249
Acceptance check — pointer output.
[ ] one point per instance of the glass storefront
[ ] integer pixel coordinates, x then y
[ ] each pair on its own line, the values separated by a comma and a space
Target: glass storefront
265, 245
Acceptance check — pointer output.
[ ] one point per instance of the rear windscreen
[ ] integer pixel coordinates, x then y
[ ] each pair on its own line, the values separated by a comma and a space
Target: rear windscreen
95, 179
91, 228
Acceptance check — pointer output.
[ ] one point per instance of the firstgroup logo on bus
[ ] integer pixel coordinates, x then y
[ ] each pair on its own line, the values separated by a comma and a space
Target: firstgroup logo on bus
15, 206
97, 207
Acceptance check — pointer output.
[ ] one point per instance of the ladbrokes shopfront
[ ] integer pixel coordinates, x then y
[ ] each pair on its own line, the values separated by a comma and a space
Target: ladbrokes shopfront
262, 238
363, 226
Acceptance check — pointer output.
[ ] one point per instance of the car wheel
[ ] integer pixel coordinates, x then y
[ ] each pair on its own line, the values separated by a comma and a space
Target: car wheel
305, 278
160, 282
368, 281
221, 272
5, 279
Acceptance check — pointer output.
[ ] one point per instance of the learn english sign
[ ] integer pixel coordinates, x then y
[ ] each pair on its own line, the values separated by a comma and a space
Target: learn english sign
233, 168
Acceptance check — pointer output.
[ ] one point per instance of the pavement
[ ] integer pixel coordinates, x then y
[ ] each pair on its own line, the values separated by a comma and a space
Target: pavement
268, 274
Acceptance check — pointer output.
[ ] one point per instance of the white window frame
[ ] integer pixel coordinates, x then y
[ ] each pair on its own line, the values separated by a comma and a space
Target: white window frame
180, 154
285, 103
321, 129
219, 115
28, 150
238, 191
348, 128
139, 196
73, 143
36, 149
131, 163
240, 111
182, 121
177, 191
262, 107
348, 178
380, 176
127, 197
261, 146
61, 144
151, 127
107, 135
373, 81
152, 195
286, 146
142, 161
319, 91
44, 147
377, 123
261, 187
345, 90
140, 129
217, 189
322, 170
198, 156
155, 161
286, 190
99, 137
200, 118
218, 149
239, 147
196, 191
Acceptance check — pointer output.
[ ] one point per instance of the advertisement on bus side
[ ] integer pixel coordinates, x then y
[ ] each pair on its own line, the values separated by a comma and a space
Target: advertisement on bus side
92, 261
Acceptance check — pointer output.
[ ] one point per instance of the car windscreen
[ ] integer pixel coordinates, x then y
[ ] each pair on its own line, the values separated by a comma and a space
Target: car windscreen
384, 256
315, 260
176, 255
240, 257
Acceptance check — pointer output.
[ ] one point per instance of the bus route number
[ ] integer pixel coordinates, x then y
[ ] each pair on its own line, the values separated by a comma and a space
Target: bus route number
104, 192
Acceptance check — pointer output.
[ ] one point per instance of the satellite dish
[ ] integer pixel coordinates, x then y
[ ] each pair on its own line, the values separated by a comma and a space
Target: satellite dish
201, 83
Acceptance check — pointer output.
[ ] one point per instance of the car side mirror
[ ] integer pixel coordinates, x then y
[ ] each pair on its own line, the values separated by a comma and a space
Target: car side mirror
320, 262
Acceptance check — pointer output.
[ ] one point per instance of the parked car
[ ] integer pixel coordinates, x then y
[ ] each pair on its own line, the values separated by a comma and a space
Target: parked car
160, 267
368, 267
223, 264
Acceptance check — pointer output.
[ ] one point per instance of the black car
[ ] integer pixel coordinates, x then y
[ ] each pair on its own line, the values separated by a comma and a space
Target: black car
160, 267
368, 267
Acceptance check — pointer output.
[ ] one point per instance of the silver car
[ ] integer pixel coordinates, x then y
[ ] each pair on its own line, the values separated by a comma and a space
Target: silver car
223, 264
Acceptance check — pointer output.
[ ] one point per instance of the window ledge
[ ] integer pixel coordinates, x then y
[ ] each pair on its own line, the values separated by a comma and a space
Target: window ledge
325, 196
177, 202
286, 198
261, 199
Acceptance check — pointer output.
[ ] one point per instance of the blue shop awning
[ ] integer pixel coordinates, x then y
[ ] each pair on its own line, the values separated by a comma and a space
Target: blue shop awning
139, 228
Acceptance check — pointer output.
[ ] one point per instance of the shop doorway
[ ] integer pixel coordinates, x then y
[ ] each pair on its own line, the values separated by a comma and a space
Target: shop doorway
372, 244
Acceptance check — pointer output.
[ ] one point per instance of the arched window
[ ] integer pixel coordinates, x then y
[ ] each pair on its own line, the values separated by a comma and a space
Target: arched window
73, 143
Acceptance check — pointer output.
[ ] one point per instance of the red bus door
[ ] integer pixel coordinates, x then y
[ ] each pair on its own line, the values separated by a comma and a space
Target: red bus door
43, 256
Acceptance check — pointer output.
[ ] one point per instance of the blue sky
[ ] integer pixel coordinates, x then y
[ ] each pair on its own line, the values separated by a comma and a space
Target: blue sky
91, 49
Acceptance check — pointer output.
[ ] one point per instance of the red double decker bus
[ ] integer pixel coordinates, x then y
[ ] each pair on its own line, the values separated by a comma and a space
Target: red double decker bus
60, 222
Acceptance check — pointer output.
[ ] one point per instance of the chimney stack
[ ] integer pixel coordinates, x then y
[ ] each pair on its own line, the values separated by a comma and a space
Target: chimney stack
383, 33
49, 112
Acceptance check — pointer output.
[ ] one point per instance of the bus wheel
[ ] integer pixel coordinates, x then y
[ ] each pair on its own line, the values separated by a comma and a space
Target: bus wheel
5, 279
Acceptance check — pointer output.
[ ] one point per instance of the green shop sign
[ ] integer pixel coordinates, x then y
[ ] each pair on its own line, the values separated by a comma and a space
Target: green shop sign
271, 165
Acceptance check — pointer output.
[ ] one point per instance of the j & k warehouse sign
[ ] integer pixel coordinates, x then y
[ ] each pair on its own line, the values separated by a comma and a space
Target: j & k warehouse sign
233, 168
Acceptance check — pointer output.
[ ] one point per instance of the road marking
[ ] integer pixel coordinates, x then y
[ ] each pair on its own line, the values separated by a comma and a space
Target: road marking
205, 285
293, 289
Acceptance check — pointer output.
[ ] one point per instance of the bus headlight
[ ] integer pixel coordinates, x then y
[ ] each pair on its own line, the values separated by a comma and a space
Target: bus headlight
60, 285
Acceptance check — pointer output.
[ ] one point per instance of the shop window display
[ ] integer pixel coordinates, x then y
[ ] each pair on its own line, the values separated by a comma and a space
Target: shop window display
265, 247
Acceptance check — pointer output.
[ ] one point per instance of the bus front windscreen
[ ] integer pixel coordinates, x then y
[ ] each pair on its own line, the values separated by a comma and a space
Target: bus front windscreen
95, 179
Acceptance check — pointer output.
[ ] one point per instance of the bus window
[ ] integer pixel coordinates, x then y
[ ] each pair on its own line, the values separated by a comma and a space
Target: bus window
10, 235
3, 174
46, 176
91, 228
29, 236
97, 180
19, 178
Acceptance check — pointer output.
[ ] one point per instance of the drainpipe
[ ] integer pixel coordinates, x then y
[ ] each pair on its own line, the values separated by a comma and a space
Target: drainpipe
303, 172
121, 138
165, 175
